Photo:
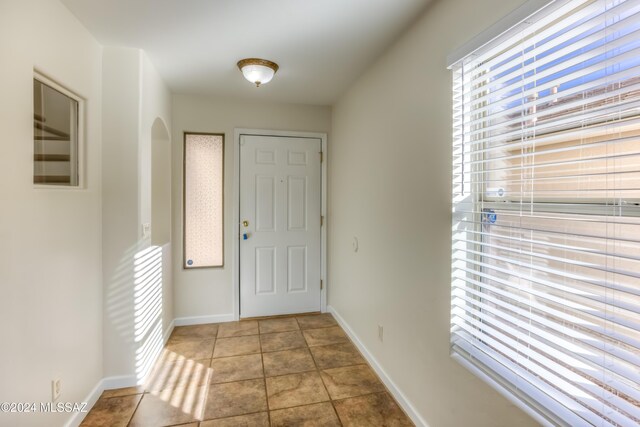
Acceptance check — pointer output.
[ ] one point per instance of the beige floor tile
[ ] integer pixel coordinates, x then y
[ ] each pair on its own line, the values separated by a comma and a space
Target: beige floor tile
325, 320
319, 414
295, 390
238, 329
112, 412
238, 398
278, 325
194, 333
351, 381
288, 362
181, 373
236, 368
220, 380
170, 407
118, 392
282, 341
371, 410
226, 347
325, 336
261, 419
189, 350
336, 355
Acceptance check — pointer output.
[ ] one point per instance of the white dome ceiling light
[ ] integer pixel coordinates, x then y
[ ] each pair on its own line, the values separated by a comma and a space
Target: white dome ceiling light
258, 71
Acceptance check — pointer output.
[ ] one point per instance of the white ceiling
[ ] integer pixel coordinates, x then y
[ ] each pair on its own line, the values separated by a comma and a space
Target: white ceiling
320, 45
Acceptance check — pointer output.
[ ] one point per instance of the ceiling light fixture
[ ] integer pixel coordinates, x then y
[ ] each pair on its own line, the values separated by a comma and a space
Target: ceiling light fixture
258, 71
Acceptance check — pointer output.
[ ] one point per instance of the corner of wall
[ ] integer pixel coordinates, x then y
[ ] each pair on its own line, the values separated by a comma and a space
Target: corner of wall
135, 97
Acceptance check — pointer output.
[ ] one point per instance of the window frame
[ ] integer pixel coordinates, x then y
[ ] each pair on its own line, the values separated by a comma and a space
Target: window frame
184, 204
81, 162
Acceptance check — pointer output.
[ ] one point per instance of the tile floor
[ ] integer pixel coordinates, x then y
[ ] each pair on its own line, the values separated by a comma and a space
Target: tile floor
289, 371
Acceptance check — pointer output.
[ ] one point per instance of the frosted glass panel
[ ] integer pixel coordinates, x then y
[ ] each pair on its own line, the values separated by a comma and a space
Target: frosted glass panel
203, 191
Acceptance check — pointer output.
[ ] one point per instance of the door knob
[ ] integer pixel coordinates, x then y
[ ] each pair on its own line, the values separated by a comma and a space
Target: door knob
245, 223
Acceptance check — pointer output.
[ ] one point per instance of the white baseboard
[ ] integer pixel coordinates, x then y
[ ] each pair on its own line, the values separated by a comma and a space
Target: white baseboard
393, 389
91, 399
93, 396
122, 381
167, 333
110, 383
199, 320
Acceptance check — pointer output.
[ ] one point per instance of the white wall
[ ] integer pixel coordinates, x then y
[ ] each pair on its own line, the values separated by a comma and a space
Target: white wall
156, 114
135, 97
121, 89
209, 292
160, 184
50, 240
390, 186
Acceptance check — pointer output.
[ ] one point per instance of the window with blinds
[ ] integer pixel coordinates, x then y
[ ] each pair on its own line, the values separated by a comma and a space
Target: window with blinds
546, 213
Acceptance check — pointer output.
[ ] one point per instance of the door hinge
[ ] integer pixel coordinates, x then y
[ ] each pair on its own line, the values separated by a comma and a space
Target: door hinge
321, 220
321, 157
321, 285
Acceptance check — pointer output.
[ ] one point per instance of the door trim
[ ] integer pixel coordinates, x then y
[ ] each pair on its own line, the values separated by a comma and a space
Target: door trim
235, 247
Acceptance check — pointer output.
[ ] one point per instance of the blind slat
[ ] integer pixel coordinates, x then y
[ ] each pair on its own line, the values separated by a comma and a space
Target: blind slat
537, 272
589, 116
519, 252
579, 250
555, 346
586, 335
489, 112
587, 319
542, 396
566, 392
547, 366
552, 65
579, 36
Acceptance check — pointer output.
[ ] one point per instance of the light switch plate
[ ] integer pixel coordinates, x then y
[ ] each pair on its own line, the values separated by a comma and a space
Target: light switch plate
146, 229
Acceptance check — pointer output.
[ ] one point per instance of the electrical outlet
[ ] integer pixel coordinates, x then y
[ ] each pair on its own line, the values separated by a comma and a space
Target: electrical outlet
380, 333
56, 389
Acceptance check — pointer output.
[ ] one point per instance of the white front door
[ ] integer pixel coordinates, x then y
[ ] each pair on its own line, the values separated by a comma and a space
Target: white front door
280, 194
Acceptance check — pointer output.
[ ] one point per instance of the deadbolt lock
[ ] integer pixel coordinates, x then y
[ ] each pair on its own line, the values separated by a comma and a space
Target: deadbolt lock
245, 223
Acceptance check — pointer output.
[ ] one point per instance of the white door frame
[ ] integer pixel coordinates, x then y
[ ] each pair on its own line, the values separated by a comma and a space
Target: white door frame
236, 210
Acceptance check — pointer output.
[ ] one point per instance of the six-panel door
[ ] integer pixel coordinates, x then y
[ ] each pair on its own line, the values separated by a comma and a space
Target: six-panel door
280, 196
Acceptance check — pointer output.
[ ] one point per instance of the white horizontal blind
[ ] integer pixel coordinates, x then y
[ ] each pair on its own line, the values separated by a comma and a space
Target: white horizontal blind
546, 215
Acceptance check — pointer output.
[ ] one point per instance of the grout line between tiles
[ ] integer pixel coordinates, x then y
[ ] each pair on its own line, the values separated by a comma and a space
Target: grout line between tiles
306, 404
266, 393
134, 411
286, 349
239, 336
364, 395
325, 386
225, 418
237, 381
235, 355
121, 395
